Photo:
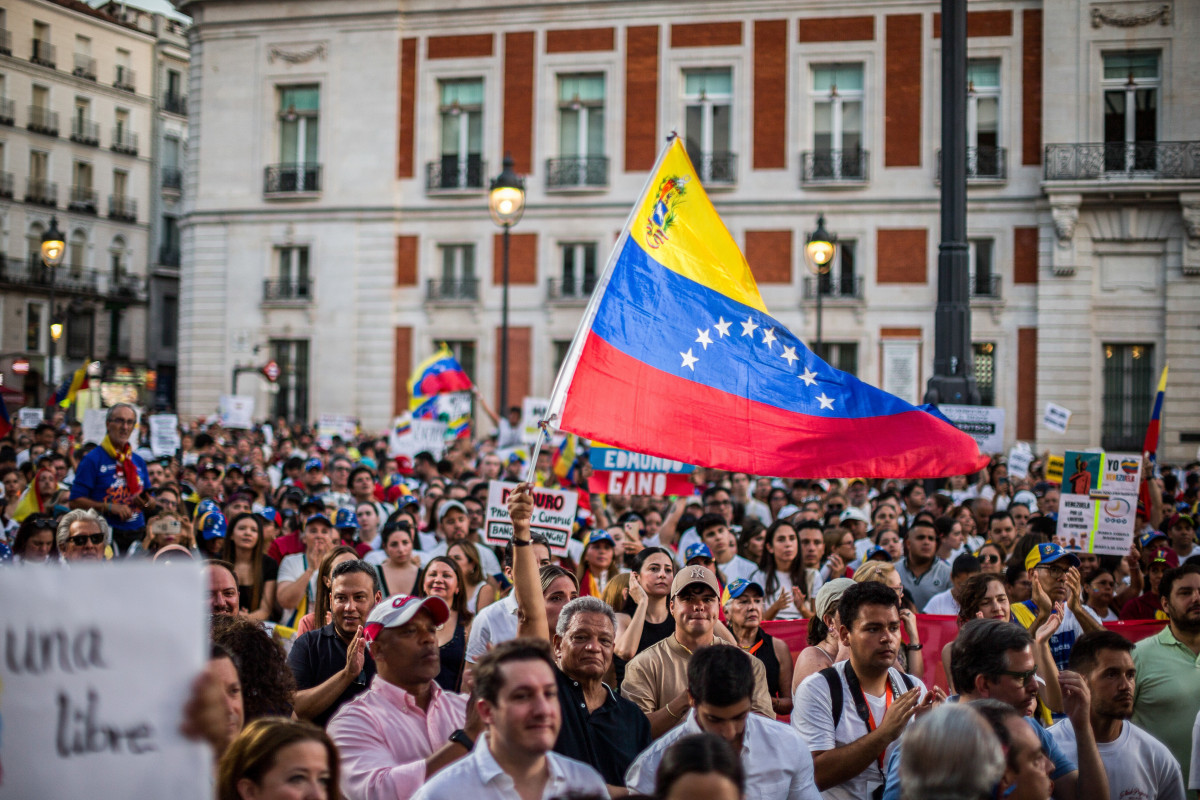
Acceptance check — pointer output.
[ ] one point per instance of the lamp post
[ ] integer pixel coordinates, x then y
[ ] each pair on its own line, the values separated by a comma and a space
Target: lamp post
819, 254
53, 249
506, 203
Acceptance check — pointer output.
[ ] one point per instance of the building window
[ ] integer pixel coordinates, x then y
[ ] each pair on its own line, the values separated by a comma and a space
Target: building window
837, 122
984, 159
842, 278
578, 269
116, 254
299, 153
80, 332
168, 249
581, 160
292, 274
708, 104
34, 312
458, 281
169, 321
1128, 395
984, 280
291, 401
1131, 85
77, 253
839, 355
464, 351
985, 372
561, 348
461, 114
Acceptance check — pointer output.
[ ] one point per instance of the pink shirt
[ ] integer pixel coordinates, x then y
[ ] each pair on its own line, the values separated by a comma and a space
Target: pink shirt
384, 738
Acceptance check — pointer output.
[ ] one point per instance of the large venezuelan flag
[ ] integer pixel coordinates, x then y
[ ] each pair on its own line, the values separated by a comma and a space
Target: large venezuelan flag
678, 357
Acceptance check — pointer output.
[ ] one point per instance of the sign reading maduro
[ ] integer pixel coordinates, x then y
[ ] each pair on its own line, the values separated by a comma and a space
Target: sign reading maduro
553, 515
616, 471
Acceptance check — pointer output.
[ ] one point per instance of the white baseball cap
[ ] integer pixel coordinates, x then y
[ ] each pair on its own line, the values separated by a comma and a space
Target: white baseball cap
395, 611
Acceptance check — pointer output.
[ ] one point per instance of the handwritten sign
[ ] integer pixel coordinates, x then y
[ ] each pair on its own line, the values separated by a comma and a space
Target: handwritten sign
533, 411
164, 435
553, 515
237, 411
1056, 418
1020, 457
29, 417
984, 424
410, 436
91, 696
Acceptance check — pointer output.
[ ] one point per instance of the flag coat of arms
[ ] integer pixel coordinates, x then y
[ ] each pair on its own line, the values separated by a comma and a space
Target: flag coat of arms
677, 356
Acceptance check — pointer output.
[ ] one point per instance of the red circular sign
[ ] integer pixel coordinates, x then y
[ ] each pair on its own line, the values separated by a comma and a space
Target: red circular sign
20, 366
271, 370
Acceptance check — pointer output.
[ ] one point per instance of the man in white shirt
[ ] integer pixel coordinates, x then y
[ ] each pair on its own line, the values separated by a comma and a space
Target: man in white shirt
946, 602
513, 759
849, 735
297, 577
715, 533
455, 526
775, 759
1137, 764
498, 622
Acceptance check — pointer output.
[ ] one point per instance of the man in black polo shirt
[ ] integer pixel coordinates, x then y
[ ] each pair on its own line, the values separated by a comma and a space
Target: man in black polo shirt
331, 664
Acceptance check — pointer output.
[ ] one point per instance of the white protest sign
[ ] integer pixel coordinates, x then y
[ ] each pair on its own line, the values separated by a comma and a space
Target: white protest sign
984, 424
553, 515
1098, 504
29, 417
236, 411
1019, 459
1056, 418
410, 436
94, 427
164, 435
92, 696
340, 425
533, 411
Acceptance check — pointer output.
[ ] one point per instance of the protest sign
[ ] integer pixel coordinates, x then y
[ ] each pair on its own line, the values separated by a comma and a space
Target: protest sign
984, 424
331, 425
1054, 469
94, 427
29, 417
1056, 418
410, 436
455, 410
533, 411
617, 471
1098, 505
553, 515
92, 695
164, 435
236, 411
1019, 459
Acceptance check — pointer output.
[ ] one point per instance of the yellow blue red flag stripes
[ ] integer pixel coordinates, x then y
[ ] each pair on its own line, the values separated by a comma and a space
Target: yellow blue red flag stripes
439, 374
1150, 445
678, 357
65, 394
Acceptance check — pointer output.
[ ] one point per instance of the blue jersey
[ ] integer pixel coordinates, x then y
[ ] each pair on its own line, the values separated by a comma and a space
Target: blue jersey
99, 478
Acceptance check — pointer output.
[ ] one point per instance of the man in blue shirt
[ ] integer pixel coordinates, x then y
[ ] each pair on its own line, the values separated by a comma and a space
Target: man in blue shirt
112, 479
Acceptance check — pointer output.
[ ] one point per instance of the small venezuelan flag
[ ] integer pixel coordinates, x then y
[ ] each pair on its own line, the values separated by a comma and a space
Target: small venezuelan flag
439, 374
678, 357
564, 461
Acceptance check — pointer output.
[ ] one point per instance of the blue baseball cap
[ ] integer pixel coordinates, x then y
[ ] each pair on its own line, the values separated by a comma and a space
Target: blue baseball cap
737, 588
269, 514
697, 550
346, 518
1152, 536
406, 500
877, 553
212, 525
318, 518
600, 535
1048, 553
313, 463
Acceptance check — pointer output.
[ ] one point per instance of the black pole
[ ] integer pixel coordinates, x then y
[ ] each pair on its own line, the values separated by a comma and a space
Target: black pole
504, 332
953, 379
820, 350
50, 329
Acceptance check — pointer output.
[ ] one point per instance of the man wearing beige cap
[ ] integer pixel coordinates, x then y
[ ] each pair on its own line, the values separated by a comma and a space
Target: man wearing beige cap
656, 679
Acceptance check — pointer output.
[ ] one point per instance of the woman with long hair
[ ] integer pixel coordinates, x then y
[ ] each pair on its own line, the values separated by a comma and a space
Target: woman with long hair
279, 759
398, 574
839, 552
951, 542
319, 617
480, 592
786, 583
256, 571
825, 647
644, 620
35, 542
598, 563
14, 486
890, 541
970, 529
991, 559
751, 540
442, 578
163, 530
1099, 590
41, 496
368, 521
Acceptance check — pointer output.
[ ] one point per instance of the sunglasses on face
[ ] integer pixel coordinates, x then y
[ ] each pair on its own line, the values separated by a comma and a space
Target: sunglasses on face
1021, 677
84, 538
990, 558
44, 524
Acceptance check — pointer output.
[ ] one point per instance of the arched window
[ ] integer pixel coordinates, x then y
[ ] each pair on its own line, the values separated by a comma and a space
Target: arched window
116, 254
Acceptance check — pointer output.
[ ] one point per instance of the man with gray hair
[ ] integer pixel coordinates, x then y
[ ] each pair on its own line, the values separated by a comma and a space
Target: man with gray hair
82, 536
112, 479
938, 746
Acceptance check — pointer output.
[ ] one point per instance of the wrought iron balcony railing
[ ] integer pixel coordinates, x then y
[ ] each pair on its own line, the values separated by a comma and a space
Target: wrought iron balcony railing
175, 103
718, 168
43, 120
459, 290
455, 174
842, 287
8, 111
984, 164
285, 179
84, 199
576, 172
124, 79
122, 208
296, 290
71, 280
569, 290
85, 67
1122, 161
42, 193
985, 285
124, 141
85, 132
6, 185
5, 42
168, 255
834, 166
172, 178
43, 54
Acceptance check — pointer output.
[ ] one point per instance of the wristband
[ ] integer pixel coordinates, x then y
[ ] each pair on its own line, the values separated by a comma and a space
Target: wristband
911, 647
521, 542
460, 737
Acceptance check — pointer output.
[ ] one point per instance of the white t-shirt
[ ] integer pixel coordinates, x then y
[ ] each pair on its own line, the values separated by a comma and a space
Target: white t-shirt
1139, 766
487, 557
783, 583
812, 718
1111, 616
737, 567
496, 623
941, 603
290, 569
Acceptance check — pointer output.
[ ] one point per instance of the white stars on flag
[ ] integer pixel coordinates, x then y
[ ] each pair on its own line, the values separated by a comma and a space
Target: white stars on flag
826, 402
722, 327
703, 340
769, 337
789, 353
748, 327
689, 360
809, 377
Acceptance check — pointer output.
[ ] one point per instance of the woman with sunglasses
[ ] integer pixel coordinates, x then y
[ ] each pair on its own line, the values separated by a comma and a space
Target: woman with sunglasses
35, 543
991, 559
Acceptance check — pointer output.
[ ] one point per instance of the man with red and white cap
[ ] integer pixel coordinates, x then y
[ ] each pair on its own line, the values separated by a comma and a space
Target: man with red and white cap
404, 728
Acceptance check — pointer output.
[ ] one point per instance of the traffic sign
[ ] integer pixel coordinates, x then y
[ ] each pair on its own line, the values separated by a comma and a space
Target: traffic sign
271, 371
20, 366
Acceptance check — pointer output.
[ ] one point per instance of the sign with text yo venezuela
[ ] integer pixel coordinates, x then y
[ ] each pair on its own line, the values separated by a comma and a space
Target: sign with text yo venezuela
616, 471
98, 663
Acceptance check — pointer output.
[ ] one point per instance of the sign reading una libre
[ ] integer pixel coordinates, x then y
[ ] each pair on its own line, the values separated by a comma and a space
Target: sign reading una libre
92, 694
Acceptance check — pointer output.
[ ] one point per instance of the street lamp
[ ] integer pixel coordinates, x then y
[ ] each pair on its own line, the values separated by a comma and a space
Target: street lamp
53, 250
506, 203
819, 252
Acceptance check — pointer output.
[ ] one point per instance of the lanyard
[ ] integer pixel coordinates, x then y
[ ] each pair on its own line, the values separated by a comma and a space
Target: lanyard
860, 702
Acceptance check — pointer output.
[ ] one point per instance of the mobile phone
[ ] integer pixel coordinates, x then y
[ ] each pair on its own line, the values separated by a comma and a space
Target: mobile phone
165, 527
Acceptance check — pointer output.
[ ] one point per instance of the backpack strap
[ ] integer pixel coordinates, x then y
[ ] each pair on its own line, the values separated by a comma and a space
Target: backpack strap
908, 684
834, 680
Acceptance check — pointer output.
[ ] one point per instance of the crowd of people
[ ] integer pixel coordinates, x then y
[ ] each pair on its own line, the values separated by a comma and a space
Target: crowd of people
368, 641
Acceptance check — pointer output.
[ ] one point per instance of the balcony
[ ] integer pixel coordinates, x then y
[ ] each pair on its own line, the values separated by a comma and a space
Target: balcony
83, 199
72, 280
41, 193
5, 42
172, 179
43, 120
175, 103
1123, 161
8, 111
834, 289
834, 167
984, 165
571, 290
124, 141
287, 290
168, 255
716, 169
85, 132
43, 54
577, 172
124, 79
6, 185
122, 208
461, 291
291, 179
85, 67
453, 174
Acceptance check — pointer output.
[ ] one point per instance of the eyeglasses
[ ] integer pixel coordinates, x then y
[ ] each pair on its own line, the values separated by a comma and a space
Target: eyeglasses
836, 507
44, 524
1054, 570
1022, 677
991, 558
719, 503
83, 538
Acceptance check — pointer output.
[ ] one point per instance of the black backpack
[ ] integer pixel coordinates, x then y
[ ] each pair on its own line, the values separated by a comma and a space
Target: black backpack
836, 698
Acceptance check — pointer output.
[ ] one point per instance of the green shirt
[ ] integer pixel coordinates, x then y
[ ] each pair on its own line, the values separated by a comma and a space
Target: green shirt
1167, 696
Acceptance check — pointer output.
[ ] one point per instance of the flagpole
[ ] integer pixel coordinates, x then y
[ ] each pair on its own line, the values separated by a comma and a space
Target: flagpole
531, 469
558, 397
